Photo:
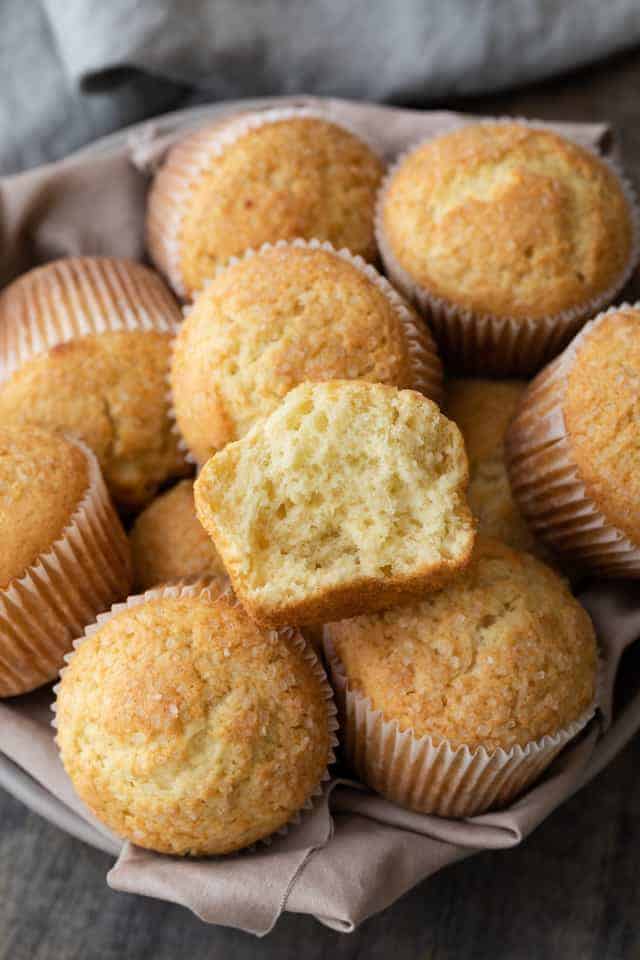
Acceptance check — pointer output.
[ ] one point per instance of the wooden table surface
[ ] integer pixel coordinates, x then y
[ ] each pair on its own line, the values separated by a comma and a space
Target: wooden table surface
572, 891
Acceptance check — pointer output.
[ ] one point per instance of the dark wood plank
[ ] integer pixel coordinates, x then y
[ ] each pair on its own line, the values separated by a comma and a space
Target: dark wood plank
571, 891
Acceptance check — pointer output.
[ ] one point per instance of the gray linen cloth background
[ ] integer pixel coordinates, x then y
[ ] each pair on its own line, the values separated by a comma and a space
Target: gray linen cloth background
73, 70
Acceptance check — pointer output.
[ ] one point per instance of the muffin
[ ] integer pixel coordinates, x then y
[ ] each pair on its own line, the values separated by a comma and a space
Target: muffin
64, 555
168, 542
256, 179
349, 497
188, 730
276, 318
508, 237
482, 409
454, 704
84, 348
573, 449
74, 296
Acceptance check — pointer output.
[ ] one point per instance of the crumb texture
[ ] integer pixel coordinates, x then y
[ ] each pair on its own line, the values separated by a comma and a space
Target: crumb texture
507, 220
602, 417
503, 655
43, 478
109, 390
483, 409
298, 177
188, 730
347, 495
274, 320
168, 542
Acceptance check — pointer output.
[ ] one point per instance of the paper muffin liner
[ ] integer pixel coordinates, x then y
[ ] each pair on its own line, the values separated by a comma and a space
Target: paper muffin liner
214, 587
81, 574
432, 776
425, 366
545, 479
77, 297
483, 343
183, 166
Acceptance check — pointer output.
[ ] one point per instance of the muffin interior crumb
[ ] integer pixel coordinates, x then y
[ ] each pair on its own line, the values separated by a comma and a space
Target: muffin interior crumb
341, 483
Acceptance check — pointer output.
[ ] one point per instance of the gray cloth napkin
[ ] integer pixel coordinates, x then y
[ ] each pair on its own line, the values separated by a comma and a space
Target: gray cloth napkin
73, 70
355, 853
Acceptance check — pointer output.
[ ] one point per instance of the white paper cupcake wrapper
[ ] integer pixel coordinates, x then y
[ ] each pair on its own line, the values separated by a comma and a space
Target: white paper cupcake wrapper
186, 161
545, 479
81, 574
76, 297
215, 587
503, 346
434, 777
426, 368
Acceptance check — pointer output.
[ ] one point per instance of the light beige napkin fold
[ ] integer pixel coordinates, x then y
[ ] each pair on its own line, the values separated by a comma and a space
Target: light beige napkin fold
355, 853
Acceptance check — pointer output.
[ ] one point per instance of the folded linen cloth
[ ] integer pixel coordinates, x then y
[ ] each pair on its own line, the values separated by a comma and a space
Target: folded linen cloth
355, 853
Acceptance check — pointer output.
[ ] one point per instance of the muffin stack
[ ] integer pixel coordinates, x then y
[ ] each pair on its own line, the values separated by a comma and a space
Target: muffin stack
335, 505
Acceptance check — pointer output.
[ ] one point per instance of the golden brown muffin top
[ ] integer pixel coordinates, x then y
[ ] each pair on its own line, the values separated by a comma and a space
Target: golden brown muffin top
110, 391
168, 541
295, 177
602, 417
274, 320
43, 478
501, 656
503, 219
483, 409
187, 729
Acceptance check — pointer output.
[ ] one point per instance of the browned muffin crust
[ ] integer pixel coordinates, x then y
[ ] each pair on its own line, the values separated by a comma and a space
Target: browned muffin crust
602, 417
508, 220
502, 656
188, 730
110, 391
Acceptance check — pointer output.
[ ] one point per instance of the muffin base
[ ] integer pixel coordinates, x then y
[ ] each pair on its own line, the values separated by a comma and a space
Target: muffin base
214, 587
545, 480
430, 776
80, 575
483, 343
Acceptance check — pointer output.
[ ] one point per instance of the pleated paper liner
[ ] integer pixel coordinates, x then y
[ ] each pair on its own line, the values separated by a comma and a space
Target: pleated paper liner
424, 362
213, 588
82, 574
173, 184
78, 296
431, 776
545, 479
486, 344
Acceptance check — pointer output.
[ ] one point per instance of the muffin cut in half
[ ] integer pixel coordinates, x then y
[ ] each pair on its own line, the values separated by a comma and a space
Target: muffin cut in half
349, 497
282, 316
